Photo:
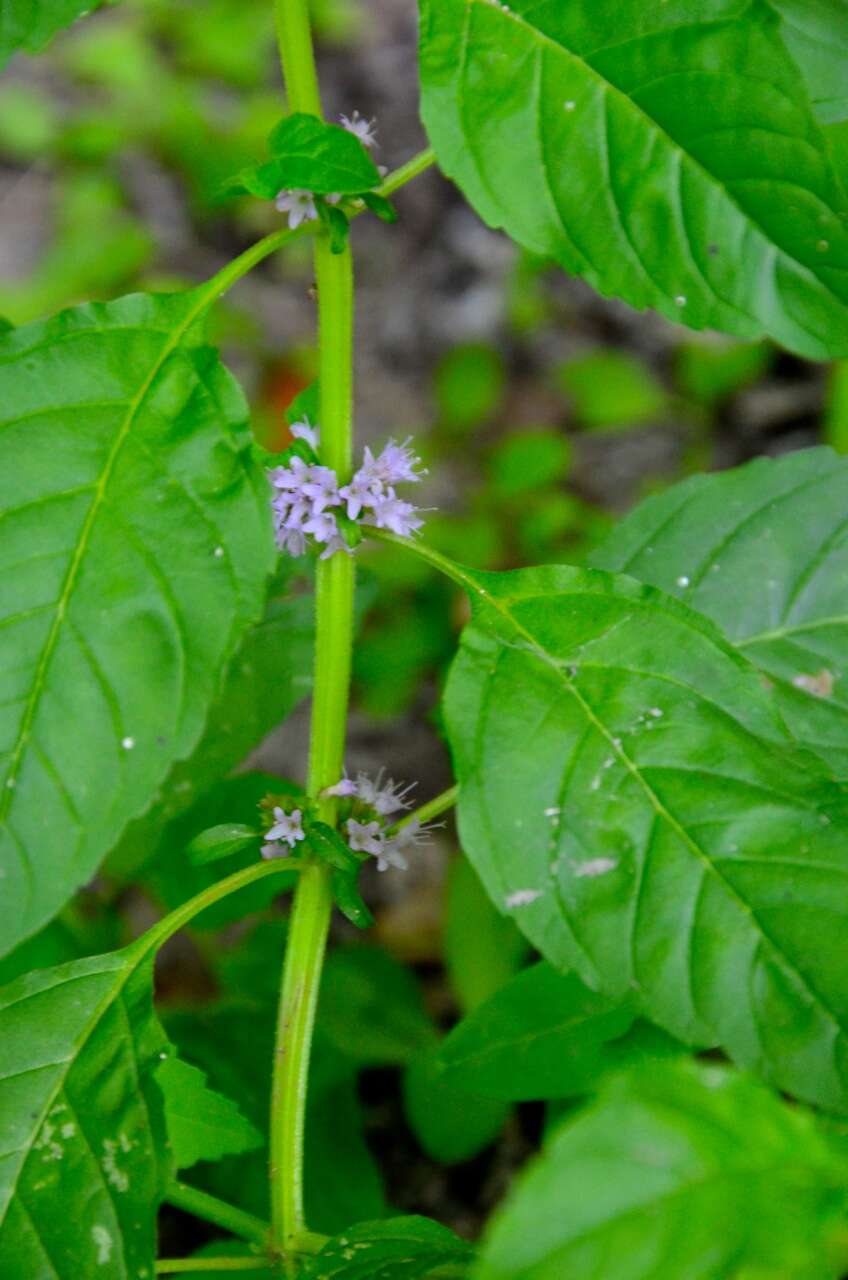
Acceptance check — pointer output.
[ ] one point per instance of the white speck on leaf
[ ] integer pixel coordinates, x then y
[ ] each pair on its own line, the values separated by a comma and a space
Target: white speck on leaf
103, 1240
595, 867
655, 712
218, 553
819, 685
683, 581
681, 300
128, 743
522, 897
114, 1176
569, 106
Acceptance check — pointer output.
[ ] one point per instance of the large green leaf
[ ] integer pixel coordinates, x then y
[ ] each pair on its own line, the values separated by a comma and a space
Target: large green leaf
80, 1120
679, 1170
29, 24
136, 545
629, 792
762, 550
546, 1035
664, 149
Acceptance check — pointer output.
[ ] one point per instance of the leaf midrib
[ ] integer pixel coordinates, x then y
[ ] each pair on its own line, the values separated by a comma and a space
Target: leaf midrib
545, 39
10, 791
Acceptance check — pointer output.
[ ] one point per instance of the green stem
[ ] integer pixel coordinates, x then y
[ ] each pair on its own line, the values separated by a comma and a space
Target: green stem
201, 1205
432, 809
417, 165
312, 907
435, 558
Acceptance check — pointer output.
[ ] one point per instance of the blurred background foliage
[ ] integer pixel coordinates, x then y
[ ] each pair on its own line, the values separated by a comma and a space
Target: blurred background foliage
541, 411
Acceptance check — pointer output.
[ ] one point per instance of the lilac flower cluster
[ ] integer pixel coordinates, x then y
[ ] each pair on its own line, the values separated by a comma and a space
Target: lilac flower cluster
367, 828
308, 496
300, 205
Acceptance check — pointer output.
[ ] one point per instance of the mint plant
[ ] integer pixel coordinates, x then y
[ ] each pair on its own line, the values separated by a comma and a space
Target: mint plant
650, 753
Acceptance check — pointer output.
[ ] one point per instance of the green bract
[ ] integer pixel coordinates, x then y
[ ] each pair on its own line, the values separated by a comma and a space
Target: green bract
307, 154
629, 791
666, 151
679, 1170
136, 546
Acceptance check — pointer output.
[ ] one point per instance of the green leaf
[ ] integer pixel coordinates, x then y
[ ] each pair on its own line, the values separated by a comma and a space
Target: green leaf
132, 516
762, 551
483, 949
397, 1249
80, 1120
29, 24
371, 1009
545, 1035
677, 1170
310, 155
269, 675
666, 151
201, 1124
342, 1182
629, 793
452, 1125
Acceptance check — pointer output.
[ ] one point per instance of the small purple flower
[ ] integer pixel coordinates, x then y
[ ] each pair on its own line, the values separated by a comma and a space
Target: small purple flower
287, 829
305, 431
299, 205
292, 477
322, 525
322, 487
383, 797
394, 514
364, 837
344, 788
391, 856
361, 128
361, 492
292, 541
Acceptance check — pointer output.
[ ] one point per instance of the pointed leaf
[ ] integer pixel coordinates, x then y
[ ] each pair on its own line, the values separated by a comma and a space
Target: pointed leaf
665, 151
201, 1123
545, 1035
395, 1249
677, 1170
222, 841
628, 791
80, 1120
136, 544
762, 550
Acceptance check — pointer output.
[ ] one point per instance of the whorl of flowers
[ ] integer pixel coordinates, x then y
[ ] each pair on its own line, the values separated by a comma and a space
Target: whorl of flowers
369, 813
308, 500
